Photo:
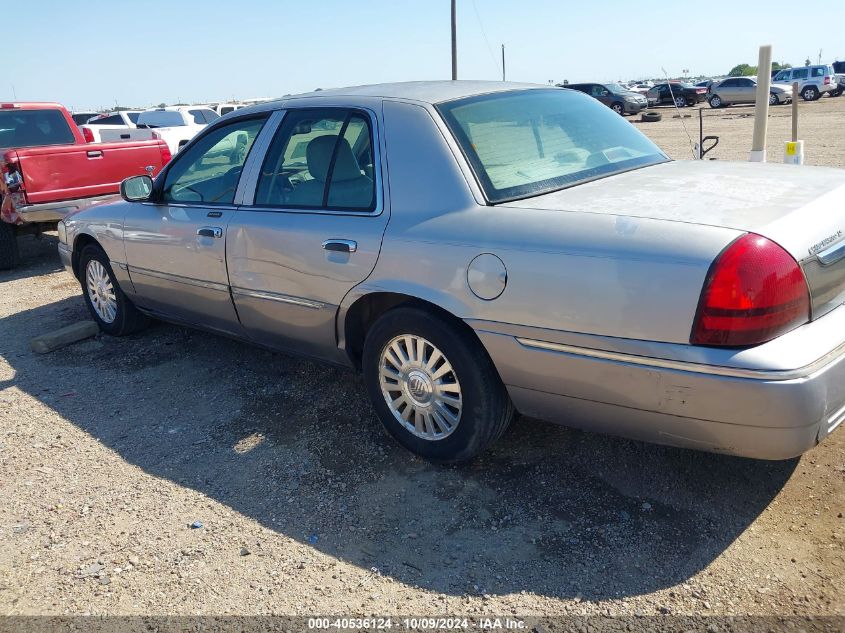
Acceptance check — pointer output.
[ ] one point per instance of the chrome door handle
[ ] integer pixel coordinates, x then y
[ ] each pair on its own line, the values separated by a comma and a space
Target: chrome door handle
210, 231
95, 154
341, 246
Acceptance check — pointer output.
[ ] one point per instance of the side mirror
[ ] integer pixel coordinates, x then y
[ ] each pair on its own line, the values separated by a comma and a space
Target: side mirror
136, 188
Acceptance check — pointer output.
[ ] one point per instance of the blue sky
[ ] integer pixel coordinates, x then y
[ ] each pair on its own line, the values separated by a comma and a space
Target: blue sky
140, 53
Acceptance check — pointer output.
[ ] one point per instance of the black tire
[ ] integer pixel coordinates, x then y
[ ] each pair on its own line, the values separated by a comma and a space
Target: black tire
810, 93
128, 318
618, 108
486, 407
8, 246
650, 117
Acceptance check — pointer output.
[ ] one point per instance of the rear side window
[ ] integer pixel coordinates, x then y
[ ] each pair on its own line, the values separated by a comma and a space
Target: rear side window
34, 128
320, 159
133, 116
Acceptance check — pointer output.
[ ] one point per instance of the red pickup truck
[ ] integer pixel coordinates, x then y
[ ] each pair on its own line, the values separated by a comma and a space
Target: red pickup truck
48, 170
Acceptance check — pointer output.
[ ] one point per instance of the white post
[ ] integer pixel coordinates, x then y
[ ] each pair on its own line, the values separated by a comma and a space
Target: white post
761, 109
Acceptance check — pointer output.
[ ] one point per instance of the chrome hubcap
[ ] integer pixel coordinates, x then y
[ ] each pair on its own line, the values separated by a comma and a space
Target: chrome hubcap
420, 387
101, 291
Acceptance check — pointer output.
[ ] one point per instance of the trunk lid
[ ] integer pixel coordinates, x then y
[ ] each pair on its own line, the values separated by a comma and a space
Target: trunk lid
800, 208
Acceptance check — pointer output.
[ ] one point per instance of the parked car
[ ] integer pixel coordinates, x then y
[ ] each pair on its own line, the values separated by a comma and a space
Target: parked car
80, 118
839, 72
175, 125
533, 252
616, 97
706, 83
225, 108
735, 90
676, 93
47, 170
115, 125
814, 81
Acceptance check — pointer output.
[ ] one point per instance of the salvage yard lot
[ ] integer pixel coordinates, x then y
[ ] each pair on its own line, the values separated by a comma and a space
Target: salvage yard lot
111, 448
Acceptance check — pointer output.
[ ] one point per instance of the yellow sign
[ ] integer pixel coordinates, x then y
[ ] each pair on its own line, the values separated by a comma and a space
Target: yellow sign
791, 148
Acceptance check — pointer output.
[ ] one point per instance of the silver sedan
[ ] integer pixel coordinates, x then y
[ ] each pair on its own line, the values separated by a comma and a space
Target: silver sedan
477, 249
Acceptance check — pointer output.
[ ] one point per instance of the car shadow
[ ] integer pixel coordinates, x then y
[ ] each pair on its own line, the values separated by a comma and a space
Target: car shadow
37, 256
295, 446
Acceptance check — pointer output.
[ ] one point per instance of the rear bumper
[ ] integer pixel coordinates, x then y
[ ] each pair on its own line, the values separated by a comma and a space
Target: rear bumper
764, 412
55, 211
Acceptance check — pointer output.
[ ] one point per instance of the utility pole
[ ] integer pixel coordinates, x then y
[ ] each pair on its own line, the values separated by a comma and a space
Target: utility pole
503, 62
820, 55
454, 42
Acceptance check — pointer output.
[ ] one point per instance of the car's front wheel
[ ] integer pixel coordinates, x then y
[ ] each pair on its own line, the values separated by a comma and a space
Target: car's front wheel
773, 99
618, 108
109, 307
433, 386
680, 102
715, 101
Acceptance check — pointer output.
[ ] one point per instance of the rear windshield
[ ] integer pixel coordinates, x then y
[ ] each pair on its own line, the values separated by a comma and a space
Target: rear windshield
34, 128
529, 142
161, 118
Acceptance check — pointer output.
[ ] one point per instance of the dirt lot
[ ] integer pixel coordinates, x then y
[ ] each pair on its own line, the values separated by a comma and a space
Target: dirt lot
819, 126
112, 448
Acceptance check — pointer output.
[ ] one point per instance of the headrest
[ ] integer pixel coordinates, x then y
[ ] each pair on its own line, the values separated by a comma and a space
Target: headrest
319, 155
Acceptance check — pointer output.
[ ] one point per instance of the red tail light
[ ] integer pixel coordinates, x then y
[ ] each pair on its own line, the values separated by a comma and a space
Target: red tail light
755, 291
827, 81
88, 134
165, 153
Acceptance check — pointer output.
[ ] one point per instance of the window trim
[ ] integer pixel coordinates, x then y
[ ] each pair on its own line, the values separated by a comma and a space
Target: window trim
158, 186
248, 202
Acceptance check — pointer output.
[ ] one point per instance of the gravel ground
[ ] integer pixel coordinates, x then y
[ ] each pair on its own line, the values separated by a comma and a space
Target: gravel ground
110, 449
819, 126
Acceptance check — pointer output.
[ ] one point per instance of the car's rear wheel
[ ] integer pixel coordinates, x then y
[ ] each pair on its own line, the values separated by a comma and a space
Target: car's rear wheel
108, 305
618, 108
715, 101
773, 99
433, 386
810, 93
8, 246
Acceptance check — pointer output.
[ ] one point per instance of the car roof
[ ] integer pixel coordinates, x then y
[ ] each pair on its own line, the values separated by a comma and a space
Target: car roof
430, 92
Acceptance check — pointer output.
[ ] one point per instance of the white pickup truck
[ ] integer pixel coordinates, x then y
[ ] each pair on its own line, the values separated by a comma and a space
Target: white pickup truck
175, 125
118, 122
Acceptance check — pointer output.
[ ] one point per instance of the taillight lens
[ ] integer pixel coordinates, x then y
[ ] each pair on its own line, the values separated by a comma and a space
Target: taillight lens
88, 135
755, 291
827, 81
165, 153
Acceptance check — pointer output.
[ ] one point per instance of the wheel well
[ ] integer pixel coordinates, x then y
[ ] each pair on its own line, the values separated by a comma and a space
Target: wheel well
366, 311
78, 246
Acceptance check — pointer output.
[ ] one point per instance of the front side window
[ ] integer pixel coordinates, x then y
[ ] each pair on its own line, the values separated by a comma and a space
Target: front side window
208, 172
320, 159
529, 142
801, 73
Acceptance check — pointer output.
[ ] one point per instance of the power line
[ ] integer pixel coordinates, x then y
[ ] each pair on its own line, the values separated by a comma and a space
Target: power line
486, 41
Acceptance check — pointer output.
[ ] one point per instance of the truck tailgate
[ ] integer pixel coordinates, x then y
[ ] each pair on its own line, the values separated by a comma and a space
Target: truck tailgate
79, 171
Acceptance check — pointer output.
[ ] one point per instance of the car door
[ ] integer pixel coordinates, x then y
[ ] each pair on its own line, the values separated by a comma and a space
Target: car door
601, 93
312, 229
176, 244
727, 91
746, 90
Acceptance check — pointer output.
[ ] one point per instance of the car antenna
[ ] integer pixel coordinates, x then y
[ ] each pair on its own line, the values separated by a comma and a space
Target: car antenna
686, 131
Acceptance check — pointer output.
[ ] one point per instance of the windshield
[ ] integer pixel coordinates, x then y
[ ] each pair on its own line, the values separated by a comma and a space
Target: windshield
34, 128
529, 142
617, 88
161, 118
